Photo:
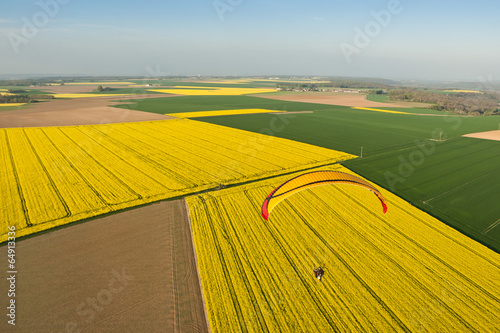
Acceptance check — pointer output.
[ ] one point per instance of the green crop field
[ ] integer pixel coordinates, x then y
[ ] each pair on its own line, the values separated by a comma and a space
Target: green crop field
454, 180
165, 105
415, 110
210, 103
346, 129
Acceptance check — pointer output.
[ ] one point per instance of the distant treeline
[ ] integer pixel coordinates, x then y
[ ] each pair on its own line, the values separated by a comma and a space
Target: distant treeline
44, 81
462, 103
23, 98
25, 83
352, 84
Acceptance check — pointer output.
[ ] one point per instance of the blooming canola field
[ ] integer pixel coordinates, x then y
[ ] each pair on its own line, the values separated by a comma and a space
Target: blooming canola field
56, 175
212, 91
400, 272
12, 104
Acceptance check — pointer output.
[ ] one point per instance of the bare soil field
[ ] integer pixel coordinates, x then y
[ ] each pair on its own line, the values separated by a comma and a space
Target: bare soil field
133, 271
332, 99
490, 135
78, 111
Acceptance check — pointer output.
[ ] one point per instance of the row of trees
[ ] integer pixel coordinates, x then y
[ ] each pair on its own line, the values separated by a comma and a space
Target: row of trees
462, 103
25, 83
23, 98
101, 89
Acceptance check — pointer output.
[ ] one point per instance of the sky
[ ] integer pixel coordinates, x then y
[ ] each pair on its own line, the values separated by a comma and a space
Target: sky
394, 39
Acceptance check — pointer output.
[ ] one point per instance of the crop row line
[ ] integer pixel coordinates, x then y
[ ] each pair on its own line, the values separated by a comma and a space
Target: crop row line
82, 176
138, 196
414, 280
227, 276
18, 183
49, 177
353, 272
110, 151
241, 269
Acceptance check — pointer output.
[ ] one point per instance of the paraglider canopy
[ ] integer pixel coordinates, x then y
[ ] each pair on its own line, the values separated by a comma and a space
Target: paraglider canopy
312, 179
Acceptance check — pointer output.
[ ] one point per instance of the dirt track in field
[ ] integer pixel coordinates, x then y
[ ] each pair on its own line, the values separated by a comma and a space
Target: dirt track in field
490, 135
133, 271
333, 99
77, 111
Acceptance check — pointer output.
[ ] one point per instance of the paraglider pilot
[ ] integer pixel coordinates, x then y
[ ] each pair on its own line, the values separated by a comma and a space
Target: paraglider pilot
318, 273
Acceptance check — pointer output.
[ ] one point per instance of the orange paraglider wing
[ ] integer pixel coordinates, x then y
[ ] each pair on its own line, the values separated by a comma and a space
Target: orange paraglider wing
311, 179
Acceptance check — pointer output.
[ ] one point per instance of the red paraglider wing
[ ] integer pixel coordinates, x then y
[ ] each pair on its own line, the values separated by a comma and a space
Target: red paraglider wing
312, 179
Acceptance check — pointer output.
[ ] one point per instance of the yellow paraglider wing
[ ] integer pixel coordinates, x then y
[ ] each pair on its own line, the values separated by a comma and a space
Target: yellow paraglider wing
312, 179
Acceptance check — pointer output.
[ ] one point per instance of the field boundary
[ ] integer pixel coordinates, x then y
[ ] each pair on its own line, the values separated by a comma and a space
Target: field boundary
177, 197
188, 217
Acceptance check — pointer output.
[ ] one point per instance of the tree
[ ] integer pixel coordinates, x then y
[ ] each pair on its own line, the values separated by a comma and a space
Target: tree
99, 89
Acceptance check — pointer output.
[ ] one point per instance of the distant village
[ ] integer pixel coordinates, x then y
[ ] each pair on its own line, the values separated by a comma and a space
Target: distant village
304, 89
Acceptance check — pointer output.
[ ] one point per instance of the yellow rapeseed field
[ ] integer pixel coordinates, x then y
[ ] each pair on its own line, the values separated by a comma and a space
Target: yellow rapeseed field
55, 175
400, 272
11, 104
379, 110
211, 91
465, 91
218, 113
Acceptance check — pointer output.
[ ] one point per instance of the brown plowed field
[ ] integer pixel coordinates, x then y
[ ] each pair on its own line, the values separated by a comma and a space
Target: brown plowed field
133, 271
78, 111
332, 99
490, 135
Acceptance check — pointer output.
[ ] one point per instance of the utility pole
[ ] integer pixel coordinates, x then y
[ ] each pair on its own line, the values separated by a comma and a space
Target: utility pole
361, 151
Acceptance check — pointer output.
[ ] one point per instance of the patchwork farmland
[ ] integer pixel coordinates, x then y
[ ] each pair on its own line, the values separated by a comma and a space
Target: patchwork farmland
450, 166
204, 179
